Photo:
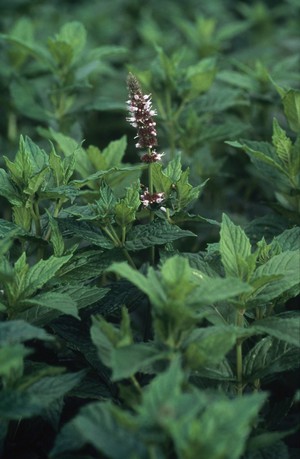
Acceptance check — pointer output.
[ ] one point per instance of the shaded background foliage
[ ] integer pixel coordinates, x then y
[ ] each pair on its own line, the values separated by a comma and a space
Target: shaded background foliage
214, 69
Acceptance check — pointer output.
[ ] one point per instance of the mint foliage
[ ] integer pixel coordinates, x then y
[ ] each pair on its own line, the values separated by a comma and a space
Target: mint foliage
149, 289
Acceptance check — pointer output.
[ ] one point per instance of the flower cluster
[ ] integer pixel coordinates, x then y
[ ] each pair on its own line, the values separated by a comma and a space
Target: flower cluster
149, 199
141, 118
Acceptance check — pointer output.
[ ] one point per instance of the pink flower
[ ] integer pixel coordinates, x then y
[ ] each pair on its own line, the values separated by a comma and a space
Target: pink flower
141, 117
152, 157
148, 199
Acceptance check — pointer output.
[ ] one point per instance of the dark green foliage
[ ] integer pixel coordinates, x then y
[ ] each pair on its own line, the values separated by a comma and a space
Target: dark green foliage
149, 299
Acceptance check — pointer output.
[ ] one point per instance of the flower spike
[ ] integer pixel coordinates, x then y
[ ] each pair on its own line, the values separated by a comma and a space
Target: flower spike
140, 117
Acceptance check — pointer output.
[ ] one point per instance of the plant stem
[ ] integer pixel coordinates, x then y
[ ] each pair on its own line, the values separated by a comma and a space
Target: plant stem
136, 384
151, 191
110, 231
57, 208
35, 212
239, 353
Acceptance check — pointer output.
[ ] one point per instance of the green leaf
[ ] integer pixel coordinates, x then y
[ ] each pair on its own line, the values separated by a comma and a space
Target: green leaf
291, 104
285, 329
15, 403
216, 100
235, 249
238, 79
289, 239
22, 217
85, 232
107, 428
134, 276
74, 34
19, 331
212, 290
162, 183
209, 346
155, 233
282, 143
62, 191
83, 295
11, 360
61, 302
126, 209
269, 356
285, 265
160, 392
114, 152
35, 182
186, 193
71, 147
56, 238
173, 170
10, 229
260, 152
104, 207
201, 76
28, 102
219, 421
41, 273
128, 360
8, 190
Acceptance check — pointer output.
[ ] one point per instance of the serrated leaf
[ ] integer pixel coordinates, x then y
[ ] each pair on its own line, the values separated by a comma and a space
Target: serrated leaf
289, 239
185, 192
134, 276
31, 47
74, 34
8, 190
22, 217
19, 331
104, 207
27, 101
269, 356
114, 152
161, 182
161, 390
111, 431
41, 273
128, 360
219, 419
209, 346
201, 76
71, 147
85, 232
35, 182
155, 233
260, 152
61, 302
173, 170
281, 142
8, 228
235, 249
218, 100
285, 265
11, 360
291, 104
62, 191
56, 238
15, 403
83, 295
286, 329
212, 290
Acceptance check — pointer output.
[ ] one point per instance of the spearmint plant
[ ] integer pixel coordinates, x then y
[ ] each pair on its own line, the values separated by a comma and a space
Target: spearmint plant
127, 328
